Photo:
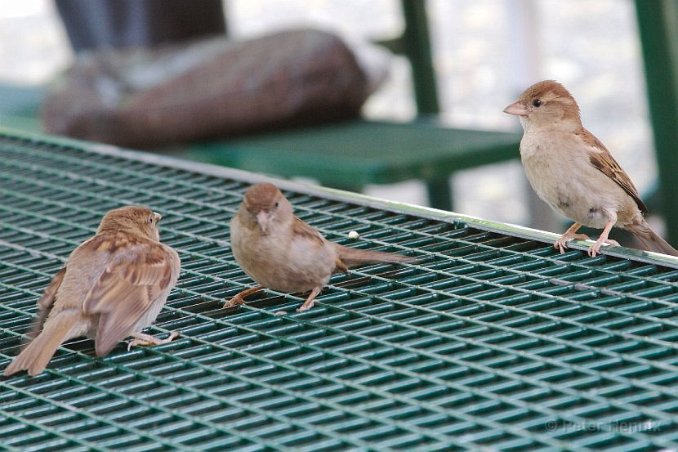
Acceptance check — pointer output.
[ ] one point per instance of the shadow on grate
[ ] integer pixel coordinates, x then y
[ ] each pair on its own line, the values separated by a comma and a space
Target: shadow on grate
490, 341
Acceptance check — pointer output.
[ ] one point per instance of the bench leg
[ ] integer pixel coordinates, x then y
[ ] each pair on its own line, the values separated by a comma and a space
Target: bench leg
440, 194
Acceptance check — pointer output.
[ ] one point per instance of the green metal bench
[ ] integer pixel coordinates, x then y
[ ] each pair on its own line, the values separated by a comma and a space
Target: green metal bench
658, 27
346, 155
356, 153
494, 341
353, 154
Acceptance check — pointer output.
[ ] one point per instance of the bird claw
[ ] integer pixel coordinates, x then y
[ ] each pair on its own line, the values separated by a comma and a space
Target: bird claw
561, 243
145, 340
310, 301
305, 307
595, 248
234, 302
239, 298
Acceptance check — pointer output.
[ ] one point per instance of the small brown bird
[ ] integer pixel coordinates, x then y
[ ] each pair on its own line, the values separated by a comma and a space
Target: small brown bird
281, 252
573, 172
112, 286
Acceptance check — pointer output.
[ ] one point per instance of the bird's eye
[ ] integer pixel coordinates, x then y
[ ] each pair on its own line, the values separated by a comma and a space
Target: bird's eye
150, 219
276, 204
536, 103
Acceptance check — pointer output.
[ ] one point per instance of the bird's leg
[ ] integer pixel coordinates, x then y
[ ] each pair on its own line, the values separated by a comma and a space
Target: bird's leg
310, 301
570, 234
141, 339
239, 298
603, 239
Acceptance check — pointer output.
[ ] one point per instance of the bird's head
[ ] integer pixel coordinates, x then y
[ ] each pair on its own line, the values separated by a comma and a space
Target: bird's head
137, 220
265, 205
546, 104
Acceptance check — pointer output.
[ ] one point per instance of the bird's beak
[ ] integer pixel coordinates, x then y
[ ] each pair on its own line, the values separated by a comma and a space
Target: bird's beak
517, 108
263, 219
157, 217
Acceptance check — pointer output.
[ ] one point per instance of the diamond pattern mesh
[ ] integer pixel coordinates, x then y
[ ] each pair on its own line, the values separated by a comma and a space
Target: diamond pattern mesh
491, 341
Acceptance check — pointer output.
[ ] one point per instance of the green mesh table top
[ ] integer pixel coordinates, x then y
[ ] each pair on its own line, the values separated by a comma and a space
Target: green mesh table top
356, 153
493, 341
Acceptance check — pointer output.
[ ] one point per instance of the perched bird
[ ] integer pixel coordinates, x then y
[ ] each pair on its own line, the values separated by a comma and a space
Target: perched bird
112, 286
573, 172
281, 252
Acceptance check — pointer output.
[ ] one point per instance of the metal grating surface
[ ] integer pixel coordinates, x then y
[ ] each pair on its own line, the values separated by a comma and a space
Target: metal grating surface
493, 341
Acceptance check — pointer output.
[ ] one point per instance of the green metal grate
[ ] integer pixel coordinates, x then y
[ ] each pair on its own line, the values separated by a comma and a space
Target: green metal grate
493, 341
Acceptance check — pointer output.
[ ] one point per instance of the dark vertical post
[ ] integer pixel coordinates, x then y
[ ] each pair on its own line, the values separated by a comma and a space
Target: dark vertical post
417, 47
658, 27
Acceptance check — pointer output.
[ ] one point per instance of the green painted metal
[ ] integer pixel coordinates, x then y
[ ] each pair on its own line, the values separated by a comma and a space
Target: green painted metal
415, 43
347, 155
440, 193
492, 341
19, 107
356, 153
658, 30
417, 47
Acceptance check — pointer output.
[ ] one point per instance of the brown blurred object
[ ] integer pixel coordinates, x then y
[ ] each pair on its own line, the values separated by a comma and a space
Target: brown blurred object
145, 97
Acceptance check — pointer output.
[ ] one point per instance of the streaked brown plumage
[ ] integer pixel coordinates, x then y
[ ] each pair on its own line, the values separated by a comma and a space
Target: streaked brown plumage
112, 286
281, 252
572, 171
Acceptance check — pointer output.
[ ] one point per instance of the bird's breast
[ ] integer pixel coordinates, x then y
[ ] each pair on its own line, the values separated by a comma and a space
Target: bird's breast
561, 174
282, 261
546, 173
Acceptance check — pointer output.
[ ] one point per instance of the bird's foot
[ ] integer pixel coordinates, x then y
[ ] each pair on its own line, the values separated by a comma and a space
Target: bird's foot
561, 243
310, 301
595, 248
306, 306
145, 340
239, 298
235, 301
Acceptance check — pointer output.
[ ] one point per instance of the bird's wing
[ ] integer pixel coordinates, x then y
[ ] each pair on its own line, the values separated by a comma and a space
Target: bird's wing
303, 230
137, 275
46, 302
602, 160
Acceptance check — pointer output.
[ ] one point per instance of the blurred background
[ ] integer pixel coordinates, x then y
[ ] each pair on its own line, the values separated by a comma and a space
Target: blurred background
485, 52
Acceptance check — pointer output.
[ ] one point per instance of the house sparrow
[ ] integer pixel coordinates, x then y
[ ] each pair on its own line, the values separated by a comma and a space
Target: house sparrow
281, 252
112, 286
572, 171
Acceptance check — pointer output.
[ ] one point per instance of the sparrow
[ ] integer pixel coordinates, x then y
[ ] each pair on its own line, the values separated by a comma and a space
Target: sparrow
281, 252
112, 286
572, 171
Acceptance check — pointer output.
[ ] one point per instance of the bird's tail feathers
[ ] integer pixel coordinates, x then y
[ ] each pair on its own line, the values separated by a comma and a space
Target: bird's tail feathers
35, 356
354, 256
650, 240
